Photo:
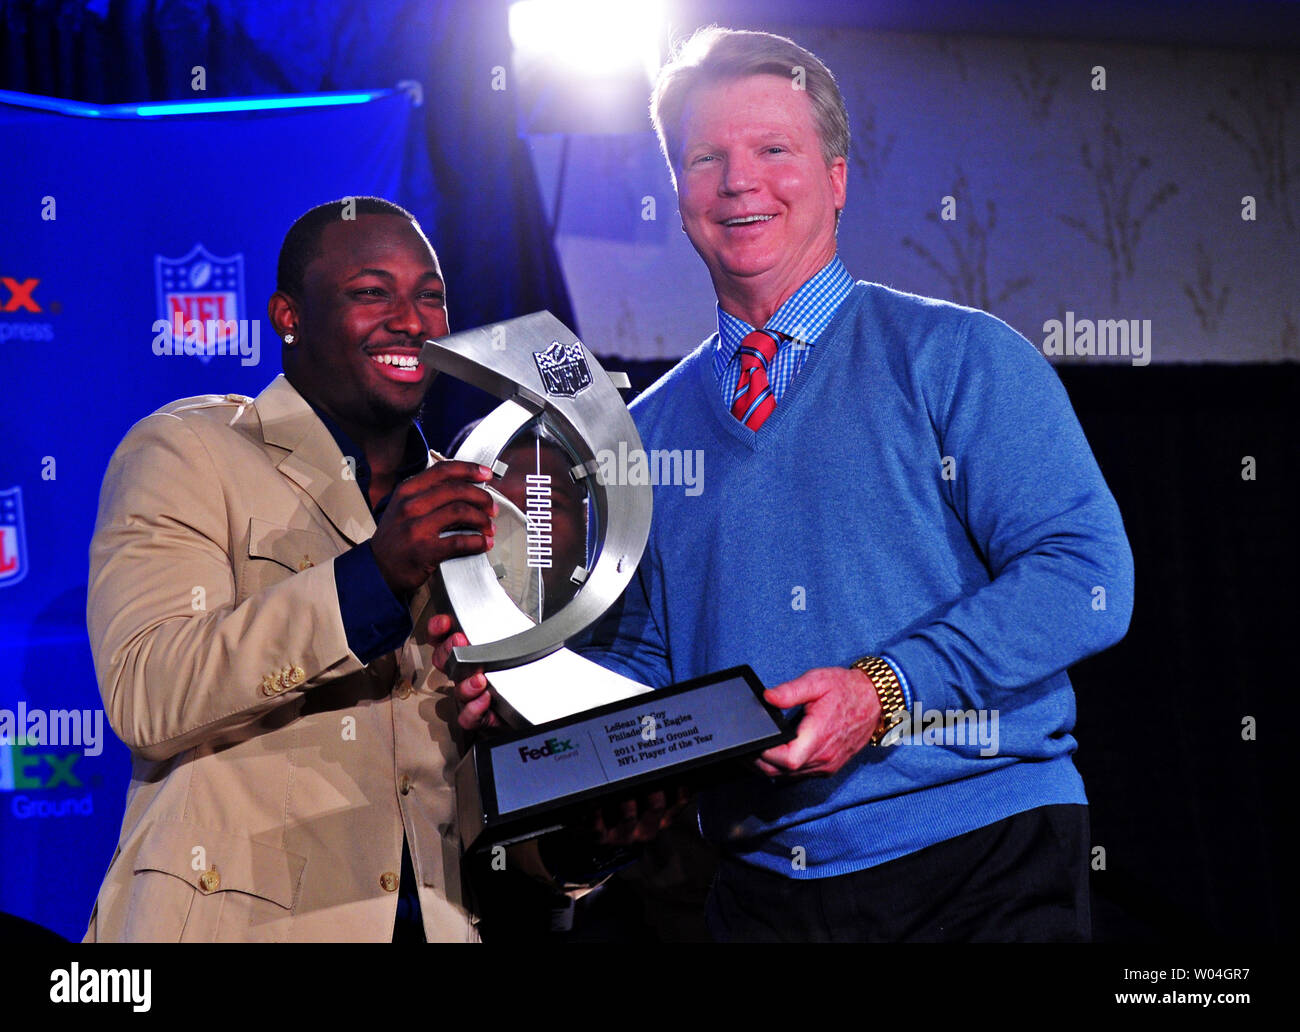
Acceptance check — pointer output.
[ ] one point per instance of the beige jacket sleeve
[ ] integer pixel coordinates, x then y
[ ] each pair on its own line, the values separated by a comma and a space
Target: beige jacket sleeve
179, 656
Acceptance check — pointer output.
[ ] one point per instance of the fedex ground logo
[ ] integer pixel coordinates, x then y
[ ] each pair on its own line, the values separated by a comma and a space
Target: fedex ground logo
39, 752
551, 747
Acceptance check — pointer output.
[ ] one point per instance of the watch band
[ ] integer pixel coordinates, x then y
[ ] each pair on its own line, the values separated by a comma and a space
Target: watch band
892, 703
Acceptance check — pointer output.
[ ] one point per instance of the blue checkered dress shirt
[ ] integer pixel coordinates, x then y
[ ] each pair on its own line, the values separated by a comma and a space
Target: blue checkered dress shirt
799, 321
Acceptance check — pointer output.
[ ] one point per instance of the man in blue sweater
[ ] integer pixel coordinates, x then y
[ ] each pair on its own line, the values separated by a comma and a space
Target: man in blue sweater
901, 529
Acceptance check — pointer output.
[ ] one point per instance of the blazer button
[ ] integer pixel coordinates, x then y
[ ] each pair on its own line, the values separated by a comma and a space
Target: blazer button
404, 689
305, 563
388, 881
268, 685
210, 880
405, 785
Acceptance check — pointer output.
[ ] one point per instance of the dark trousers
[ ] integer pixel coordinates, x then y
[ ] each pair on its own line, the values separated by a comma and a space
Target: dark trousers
1022, 879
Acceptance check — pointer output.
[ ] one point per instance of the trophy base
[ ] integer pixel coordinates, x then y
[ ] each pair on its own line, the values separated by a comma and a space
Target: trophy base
528, 783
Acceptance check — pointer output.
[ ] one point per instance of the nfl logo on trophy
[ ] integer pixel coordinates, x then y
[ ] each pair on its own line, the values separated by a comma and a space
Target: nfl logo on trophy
564, 369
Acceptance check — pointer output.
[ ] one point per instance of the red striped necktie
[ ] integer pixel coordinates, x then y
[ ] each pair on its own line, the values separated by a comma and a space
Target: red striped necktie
753, 401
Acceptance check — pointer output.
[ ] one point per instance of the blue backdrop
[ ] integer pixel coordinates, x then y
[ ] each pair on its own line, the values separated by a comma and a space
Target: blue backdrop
110, 226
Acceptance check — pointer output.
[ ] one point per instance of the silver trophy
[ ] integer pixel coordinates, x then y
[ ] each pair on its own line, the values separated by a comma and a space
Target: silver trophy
540, 370
582, 731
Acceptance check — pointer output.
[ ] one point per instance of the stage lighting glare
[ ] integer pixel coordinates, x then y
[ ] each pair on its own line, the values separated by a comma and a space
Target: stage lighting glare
589, 37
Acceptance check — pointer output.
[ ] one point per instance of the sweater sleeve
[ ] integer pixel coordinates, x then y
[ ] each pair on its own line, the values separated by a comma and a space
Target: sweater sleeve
1015, 468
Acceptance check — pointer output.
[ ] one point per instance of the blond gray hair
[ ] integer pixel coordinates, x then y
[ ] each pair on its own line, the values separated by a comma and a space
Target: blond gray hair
715, 54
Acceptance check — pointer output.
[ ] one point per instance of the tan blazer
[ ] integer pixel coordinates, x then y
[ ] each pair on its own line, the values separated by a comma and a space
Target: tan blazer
273, 774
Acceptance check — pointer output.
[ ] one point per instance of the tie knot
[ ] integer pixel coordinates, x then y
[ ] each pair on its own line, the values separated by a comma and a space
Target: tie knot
761, 345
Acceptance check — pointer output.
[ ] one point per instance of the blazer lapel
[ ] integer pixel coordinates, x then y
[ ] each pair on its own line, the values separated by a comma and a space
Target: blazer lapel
314, 461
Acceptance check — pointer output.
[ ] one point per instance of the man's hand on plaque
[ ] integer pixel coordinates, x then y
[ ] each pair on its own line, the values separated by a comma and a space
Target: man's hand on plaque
473, 700
840, 714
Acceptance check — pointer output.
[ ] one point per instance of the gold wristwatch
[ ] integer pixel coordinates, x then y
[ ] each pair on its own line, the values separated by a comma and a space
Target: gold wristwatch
892, 704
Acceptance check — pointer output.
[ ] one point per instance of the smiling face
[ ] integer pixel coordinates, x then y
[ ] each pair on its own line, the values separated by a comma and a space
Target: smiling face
369, 300
757, 199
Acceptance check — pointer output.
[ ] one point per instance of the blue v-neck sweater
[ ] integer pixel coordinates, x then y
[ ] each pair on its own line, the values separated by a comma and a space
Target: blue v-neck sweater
922, 491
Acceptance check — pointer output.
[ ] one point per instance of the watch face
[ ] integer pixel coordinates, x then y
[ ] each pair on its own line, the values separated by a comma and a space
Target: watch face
558, 515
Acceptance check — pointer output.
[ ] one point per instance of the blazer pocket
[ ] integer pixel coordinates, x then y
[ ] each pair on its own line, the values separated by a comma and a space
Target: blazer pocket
276, 552
202, 885
295, 550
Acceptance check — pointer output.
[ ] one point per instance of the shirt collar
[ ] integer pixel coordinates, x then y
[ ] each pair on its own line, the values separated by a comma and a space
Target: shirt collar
414, 460
801, 318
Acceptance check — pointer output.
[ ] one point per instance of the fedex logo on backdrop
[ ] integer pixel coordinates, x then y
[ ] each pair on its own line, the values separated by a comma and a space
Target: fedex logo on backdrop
18, 298
21, 293
13, 540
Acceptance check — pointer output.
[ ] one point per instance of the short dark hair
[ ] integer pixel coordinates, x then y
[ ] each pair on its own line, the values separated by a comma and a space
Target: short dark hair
302, 243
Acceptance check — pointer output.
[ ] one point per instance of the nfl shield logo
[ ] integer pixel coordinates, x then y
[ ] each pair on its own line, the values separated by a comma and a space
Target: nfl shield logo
203, 288
564, 369
13, 541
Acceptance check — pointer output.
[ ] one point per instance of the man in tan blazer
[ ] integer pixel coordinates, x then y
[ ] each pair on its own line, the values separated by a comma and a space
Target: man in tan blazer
259, 607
